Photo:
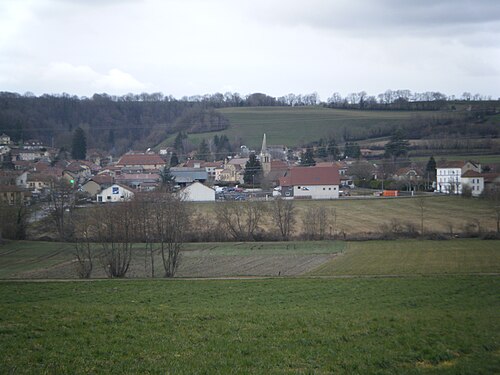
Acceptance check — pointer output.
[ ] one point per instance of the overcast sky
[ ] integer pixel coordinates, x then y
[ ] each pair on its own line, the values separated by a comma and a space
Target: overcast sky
189, 47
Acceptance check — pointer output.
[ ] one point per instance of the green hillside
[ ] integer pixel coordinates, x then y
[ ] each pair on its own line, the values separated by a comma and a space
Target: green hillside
296, 125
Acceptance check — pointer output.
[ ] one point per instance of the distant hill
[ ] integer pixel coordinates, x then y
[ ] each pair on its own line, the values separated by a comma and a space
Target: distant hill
295, 126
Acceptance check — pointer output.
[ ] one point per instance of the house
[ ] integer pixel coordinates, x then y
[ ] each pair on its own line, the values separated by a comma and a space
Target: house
96, 184
449, 175
11, 194
474, 181
38, 182
232, 173
141, 163
115, 193
210, 167
4, 139
17, 178
197, 192
311, 182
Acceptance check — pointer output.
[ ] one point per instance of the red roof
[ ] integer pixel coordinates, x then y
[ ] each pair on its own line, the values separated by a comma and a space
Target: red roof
322, 175
141, 159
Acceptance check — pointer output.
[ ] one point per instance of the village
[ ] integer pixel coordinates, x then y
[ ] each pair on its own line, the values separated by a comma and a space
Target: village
32, 169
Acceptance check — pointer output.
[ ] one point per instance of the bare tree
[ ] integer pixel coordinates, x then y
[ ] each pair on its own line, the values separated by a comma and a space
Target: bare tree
240, 220
145, 207
283, 214
83, 247
421, 205
171, 222
61, 203
116, 236
315, 221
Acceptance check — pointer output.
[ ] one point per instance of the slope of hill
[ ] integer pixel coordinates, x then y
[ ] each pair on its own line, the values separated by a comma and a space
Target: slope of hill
294, 126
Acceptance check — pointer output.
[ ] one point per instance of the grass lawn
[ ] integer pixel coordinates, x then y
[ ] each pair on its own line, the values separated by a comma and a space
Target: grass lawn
411, 257
420, 325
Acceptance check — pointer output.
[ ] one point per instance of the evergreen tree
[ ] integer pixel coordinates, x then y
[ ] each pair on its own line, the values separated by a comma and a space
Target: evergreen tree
352, 150
333, 149
167, 180
321, 152
307, 158
431, 165
79, 145
178, 142
253, 171
397, 145
174, 160
203, 151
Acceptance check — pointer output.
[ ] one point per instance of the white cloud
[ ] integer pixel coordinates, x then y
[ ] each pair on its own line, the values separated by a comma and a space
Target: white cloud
66, 77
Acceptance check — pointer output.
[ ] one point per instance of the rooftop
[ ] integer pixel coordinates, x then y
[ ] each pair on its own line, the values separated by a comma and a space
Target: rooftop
311, 176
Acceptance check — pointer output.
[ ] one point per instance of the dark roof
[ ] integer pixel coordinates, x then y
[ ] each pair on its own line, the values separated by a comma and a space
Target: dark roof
183, 175
450, 164
103, 179
311, 176
471, 173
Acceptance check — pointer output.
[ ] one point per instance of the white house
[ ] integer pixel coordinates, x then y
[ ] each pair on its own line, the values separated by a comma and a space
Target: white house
115, 193
475, 181
320, 182
449, 175
197, 192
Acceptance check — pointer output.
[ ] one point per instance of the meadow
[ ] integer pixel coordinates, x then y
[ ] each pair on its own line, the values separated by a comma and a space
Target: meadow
353, 217
293, 126
371, 307
415, 325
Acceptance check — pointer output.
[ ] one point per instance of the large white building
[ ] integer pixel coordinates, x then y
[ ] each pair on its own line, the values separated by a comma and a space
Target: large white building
449, 174
321, 182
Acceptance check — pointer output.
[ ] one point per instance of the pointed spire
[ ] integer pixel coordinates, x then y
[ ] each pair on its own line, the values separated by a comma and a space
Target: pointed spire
264, 144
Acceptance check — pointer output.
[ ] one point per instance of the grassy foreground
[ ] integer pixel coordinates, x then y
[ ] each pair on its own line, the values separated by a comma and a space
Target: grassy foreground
347, 326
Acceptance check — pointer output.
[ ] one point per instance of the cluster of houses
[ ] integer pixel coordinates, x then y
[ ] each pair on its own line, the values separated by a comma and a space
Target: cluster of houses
34, 170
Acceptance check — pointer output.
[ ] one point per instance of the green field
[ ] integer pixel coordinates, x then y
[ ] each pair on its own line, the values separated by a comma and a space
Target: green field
23, 256
413, 257
444, 325
34, 260
293, 126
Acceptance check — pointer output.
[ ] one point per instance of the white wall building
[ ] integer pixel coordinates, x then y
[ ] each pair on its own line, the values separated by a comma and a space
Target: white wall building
115, 193
474, 181
449, 175
320, 182
197, 192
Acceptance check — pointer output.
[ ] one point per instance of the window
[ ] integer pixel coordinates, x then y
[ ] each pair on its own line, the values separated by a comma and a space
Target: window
324, 188
298, 187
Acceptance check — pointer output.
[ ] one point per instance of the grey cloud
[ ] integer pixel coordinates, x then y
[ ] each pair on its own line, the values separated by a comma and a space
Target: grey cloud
385, 16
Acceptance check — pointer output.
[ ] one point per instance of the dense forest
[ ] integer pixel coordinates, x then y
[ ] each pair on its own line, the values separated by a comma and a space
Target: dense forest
119, 123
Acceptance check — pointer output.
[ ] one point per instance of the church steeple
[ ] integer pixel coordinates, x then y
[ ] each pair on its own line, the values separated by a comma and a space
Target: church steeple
265, 157
264, 145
